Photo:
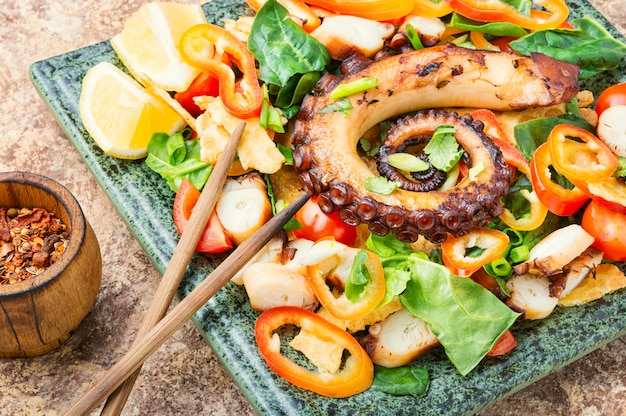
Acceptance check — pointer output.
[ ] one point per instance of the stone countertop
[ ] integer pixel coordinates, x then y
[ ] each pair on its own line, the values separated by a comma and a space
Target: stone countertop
183, 376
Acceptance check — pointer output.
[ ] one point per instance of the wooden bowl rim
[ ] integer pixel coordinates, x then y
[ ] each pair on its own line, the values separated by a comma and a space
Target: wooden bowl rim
78, 224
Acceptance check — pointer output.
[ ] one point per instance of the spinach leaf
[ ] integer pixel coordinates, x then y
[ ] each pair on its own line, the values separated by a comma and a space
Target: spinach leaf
531, 134
401, 381
296, 88
283, 48
493, 28
175, 158
590, 46
466, 318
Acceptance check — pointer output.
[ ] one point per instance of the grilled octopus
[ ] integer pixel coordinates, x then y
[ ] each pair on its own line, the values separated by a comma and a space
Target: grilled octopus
325, 142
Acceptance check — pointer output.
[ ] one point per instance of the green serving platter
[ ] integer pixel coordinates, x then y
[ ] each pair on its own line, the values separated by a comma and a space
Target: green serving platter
227, 321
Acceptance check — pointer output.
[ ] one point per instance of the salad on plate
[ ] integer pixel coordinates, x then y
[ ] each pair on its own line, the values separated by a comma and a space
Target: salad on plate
460, 179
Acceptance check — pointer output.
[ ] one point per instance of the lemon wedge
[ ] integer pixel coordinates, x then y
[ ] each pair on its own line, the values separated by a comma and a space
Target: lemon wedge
120, 115
148, 44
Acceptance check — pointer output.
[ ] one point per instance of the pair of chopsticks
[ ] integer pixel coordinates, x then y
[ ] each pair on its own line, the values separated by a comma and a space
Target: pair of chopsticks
158, 326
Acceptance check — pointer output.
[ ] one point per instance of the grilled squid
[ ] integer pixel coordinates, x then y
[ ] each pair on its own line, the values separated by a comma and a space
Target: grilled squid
326, 158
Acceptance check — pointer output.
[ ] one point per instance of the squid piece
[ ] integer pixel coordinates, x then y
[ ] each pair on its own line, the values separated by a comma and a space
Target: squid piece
326, 158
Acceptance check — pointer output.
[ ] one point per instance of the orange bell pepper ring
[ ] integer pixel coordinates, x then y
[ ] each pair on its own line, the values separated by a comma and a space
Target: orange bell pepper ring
340, 306
208, 47
498, 11
355, 375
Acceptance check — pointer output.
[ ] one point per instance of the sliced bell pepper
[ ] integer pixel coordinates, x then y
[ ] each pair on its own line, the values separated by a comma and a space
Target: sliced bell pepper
430, 8
340, 306
466, 254
537, 215
559, 200
354, 376
579, 155
498, 11
514, 158
380, 10
205, 84
205, 46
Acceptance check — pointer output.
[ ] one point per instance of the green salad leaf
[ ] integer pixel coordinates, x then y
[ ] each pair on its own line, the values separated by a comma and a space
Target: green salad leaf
443, 149
590, 46
466, 318
401, 381
531, 134
283, 48
176, 157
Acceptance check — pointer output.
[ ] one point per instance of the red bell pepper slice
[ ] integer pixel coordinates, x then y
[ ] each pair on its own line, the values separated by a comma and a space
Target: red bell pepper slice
214, 238
466, 254
205, 46
558, 200
354, 376
339, 305
579, 155
205, 84
498, 11
516, 160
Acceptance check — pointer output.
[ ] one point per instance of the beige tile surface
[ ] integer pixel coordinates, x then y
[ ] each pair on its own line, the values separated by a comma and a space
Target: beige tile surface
184, 376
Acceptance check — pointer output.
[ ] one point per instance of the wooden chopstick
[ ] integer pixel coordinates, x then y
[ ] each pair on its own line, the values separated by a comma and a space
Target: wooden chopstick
180, 260
164, 329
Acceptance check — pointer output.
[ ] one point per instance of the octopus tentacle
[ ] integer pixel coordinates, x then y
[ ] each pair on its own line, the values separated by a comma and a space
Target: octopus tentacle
326, 159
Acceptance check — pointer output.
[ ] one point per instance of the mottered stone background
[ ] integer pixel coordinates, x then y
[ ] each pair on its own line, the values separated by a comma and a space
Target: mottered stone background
183, 376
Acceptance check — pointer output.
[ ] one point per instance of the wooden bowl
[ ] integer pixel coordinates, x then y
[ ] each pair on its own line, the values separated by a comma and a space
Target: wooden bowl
40, 313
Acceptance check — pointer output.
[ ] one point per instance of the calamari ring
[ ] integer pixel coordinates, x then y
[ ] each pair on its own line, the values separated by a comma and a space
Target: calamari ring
326, 158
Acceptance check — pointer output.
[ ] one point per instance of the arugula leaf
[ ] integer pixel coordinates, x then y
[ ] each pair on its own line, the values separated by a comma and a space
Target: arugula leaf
493, 28
401, 381
443, 149
177, 160
283, 48
466, 318
380, 185
590, 46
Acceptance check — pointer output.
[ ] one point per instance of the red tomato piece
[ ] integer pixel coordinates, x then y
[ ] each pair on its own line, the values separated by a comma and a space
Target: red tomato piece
489, 243
608, 228
613, 95
558, 200
214, 238
204, 84
316, 224
503, 345
355, 375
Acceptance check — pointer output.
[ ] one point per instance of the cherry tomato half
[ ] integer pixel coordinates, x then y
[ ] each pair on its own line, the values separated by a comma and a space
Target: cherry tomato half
503, 345
316, 224
214, 238
608, 228
613, 95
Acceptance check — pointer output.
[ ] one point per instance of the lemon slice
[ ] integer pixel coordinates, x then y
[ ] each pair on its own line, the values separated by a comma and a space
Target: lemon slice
148, 44
120, 114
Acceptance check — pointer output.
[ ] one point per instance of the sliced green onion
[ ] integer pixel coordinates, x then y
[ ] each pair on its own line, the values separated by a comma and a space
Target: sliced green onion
499, 267
515, 236
414, 38
344, 90
407, 162
519, 254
